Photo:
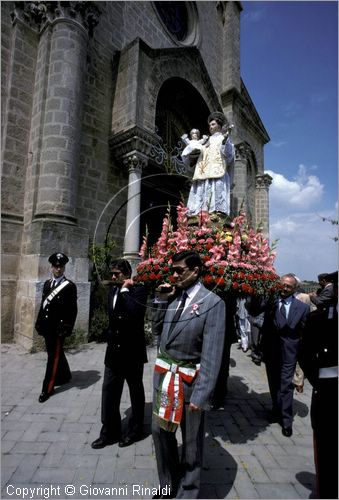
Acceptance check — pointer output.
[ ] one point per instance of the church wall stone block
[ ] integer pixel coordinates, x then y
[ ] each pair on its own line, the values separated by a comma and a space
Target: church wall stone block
80, 94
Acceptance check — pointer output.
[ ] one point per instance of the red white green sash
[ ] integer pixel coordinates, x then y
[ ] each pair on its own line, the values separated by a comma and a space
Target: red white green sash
169, 404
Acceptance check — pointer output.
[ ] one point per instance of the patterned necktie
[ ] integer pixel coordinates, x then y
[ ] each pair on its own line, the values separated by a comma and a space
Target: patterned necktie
283, 309
178, 311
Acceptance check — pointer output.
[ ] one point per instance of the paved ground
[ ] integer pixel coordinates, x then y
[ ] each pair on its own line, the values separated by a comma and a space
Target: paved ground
46, 450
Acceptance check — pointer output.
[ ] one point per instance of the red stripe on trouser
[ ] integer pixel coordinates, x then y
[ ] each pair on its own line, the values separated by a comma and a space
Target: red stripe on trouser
315, 452
55, 365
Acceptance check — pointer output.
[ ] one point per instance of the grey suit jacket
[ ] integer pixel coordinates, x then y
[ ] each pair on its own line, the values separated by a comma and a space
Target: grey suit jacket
197, 338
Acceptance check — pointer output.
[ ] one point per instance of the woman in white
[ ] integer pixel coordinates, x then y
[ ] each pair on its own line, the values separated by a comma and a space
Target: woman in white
213, 175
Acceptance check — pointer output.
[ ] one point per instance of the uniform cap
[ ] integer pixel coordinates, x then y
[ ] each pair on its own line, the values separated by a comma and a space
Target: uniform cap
58, 259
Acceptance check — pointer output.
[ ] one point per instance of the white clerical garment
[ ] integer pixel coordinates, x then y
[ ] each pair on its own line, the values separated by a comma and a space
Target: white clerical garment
213, 177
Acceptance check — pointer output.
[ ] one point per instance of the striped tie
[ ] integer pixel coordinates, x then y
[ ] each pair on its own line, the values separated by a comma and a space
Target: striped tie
178, 311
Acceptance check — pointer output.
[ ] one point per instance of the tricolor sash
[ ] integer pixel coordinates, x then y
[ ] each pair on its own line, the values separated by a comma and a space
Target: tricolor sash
169, 405
54, 293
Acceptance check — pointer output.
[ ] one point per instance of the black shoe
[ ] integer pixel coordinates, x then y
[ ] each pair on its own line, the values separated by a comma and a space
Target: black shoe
287, 431
130, 439
101, 443
44, 396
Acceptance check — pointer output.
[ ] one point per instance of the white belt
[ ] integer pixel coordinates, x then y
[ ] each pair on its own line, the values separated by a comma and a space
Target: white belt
330, 372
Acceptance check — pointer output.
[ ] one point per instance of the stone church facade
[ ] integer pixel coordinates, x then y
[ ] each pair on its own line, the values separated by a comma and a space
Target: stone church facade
95, 97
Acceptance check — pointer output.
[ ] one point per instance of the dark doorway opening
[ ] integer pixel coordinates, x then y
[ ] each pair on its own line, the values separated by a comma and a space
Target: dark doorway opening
180, 108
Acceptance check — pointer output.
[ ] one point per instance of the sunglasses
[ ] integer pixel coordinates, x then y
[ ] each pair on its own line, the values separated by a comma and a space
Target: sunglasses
178, 270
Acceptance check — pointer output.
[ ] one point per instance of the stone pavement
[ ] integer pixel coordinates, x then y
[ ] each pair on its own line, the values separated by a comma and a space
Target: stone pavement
46, 448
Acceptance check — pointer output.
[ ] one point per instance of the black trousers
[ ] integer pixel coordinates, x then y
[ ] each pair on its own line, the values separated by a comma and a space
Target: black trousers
280, 364
111, 396
57, 369
324, 420
220, 390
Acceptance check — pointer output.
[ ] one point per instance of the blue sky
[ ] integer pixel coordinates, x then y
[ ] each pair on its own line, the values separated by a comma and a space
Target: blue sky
289, 64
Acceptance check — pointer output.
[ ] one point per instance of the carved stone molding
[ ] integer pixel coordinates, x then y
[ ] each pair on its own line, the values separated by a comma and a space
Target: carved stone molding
135, 161
242, 151
263, 181
134, 139
38, 14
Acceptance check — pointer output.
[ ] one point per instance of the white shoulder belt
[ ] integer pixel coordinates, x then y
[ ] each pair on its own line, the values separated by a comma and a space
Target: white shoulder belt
54, 293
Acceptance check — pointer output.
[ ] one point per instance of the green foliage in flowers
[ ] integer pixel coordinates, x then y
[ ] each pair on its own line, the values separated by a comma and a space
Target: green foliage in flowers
102, 255
236, 257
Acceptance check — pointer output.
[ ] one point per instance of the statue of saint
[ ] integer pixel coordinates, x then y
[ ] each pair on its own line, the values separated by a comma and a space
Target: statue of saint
213, 175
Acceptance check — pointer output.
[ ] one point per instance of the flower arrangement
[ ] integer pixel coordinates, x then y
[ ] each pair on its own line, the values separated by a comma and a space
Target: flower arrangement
236, 257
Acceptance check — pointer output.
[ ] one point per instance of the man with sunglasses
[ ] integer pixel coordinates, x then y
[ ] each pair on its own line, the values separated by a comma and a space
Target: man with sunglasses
124, 359
185, 375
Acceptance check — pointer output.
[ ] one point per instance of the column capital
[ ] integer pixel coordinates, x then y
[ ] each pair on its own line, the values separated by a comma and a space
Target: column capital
38, 14
263, 181
135, 139
135, 161
242, 151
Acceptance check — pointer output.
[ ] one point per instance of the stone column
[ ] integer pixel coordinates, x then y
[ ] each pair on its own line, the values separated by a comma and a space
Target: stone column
50, 223
230, 12
59, 99
239, 196
263, 183
135, 162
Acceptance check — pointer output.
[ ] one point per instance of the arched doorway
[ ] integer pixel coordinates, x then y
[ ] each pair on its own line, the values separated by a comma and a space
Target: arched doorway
179, 108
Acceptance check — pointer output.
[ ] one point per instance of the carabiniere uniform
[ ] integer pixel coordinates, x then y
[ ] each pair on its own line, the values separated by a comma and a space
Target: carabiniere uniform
55, 321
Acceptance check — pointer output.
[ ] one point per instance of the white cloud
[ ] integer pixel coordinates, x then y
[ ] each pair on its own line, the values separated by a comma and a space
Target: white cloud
278, 144
302, 192
290, 109
256, 15
284, 227
318, 99
305, 245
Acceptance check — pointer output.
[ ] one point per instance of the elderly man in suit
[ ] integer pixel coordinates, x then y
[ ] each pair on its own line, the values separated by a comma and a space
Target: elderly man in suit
55, 321
325, 295
185, 375
124, 359
284, 323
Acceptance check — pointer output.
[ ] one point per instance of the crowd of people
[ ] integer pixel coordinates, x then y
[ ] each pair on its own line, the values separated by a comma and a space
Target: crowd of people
294, 334
195, 330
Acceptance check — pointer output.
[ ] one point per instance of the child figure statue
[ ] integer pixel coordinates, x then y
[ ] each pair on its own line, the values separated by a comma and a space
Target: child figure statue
194, 143
214, 162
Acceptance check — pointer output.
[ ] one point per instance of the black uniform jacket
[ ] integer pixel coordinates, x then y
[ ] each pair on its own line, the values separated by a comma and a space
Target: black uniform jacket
59, 315
126, 336
319, 346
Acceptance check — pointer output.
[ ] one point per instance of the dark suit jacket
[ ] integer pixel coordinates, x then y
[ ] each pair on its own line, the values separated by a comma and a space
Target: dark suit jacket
275, 325
60, 314
319, 345
325, 297
126, 337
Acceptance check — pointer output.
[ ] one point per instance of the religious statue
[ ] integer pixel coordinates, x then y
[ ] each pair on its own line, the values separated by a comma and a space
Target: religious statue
213, 175
194, 142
